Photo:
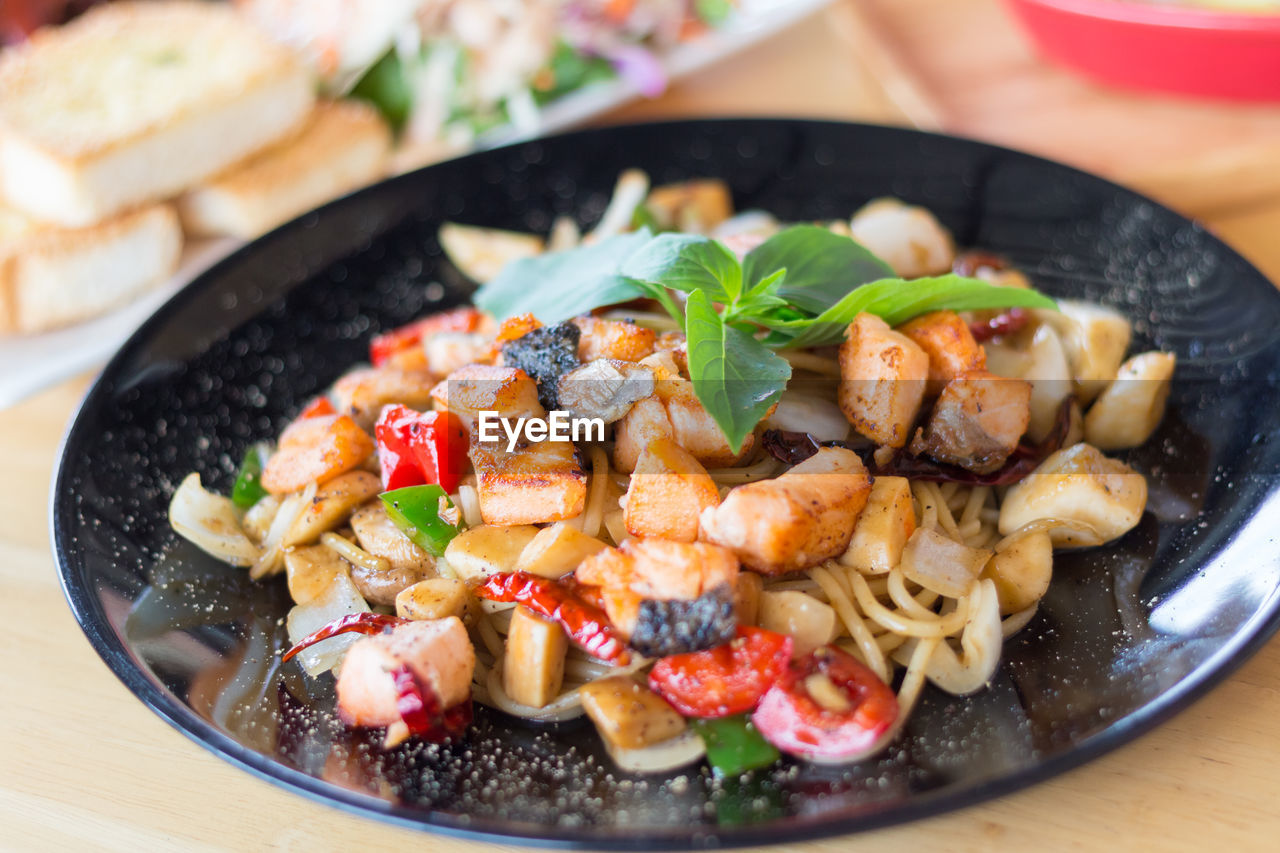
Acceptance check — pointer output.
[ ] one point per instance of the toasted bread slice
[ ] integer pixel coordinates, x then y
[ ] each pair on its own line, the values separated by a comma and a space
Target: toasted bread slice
137, 101
52, 276
344, 145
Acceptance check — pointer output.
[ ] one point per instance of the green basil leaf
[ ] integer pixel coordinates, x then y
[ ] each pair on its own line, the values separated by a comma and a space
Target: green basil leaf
767, 287
688, 262
897, 300
822, 267
558, 285
735, 377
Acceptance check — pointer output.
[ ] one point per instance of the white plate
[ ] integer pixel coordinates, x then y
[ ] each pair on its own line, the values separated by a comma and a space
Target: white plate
32, 362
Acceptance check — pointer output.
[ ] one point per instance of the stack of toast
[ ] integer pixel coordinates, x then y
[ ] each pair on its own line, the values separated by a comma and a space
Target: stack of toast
141, 120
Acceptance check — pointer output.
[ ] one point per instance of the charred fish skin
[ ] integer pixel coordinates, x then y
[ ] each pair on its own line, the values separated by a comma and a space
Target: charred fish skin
678, 626
546, 354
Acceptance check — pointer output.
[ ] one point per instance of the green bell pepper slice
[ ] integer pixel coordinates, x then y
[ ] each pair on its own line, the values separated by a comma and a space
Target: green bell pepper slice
248, 489
733, 745
416, 511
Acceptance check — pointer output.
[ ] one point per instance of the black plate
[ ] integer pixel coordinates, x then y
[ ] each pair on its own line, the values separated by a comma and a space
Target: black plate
1126, 636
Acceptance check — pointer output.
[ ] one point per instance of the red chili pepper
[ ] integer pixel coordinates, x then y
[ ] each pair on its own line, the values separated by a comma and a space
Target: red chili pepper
318, 407
792, 720
417, 448
586, 624
1004, 323
386, 346
352, 623
726, 680
419, 708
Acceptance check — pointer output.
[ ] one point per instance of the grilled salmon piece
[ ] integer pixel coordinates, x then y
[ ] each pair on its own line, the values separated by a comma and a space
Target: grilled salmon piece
977, 421
645, 423
795, 521
438, 653
476, 388
315, 450
667, 597
667, 493
882, 380
616, 339
946, 339
539, 483
674, 411
362, 393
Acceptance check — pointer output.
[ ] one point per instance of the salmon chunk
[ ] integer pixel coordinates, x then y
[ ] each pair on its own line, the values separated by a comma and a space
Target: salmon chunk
977, 421
476, 388
315, 450
616, 339
438, 653
667, 493
362, 393
645, 423
795, 521
946, 339
882, 380
667, 597
539, 483
674, 411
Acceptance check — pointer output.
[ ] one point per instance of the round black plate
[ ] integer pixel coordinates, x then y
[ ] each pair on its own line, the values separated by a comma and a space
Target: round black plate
1126, 636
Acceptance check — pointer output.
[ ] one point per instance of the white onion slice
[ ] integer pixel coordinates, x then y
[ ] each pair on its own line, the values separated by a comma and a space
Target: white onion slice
680, 751
209, 522
341, 599
271, 559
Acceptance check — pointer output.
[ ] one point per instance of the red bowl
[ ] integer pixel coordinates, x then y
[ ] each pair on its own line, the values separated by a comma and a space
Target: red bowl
1163, 48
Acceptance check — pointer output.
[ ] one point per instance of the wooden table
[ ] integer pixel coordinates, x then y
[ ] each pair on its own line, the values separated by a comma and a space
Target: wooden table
83, 765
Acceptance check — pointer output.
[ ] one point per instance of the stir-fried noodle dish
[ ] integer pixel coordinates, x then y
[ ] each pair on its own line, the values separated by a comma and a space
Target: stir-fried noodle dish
732, 488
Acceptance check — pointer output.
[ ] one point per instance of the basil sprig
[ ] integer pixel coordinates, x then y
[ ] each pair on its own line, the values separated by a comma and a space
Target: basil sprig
799, 288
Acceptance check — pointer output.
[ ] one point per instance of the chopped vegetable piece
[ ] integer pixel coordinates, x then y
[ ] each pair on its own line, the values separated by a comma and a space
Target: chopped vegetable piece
248, 490
729, 679
385, 346
585, 623
734, 745
416, 511
416, 448
359, 623
847, 721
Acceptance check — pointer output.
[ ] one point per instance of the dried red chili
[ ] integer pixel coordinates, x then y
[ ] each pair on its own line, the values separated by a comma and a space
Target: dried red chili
352, 623
1004, 323
585, 623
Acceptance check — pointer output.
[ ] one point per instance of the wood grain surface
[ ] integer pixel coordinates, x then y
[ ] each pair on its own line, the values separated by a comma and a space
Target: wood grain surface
84, 766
